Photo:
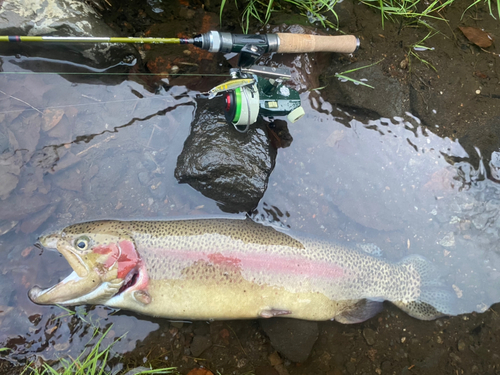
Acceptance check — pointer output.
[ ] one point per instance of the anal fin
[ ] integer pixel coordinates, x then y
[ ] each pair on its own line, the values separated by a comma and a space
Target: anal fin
359, 311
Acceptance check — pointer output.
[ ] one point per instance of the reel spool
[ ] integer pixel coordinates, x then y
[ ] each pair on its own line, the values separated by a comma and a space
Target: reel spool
242, 107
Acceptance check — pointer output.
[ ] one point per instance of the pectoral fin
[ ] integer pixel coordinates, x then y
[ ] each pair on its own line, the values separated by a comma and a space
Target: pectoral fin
270, 313
142, 296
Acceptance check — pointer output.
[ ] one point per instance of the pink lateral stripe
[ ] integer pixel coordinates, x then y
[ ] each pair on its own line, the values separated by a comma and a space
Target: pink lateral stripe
260, 262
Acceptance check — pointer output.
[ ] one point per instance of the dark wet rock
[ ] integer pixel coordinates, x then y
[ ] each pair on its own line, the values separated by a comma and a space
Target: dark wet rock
149, 163
350, 367
6, 226
9, 179
144, 178
51, 118
61, 131
18, 207
455, 358
26, 129
294, 339
32, 223
10, 162
158, 188
60, 18
386, 366
369, 335
394, 102
67, 159
199, 345
279, 134
201, 328
224, 165
48, 157
69, 180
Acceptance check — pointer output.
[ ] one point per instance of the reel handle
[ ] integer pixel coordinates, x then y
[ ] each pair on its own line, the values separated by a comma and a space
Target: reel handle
299, 43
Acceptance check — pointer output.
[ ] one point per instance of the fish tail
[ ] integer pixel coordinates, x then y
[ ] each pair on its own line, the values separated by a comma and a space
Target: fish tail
434, 300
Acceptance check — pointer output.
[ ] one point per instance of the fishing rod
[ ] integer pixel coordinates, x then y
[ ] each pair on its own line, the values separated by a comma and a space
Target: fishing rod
216, 41
253, 90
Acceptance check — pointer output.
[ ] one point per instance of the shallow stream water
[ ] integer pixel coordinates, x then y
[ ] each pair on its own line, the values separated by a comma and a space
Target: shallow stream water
74, 150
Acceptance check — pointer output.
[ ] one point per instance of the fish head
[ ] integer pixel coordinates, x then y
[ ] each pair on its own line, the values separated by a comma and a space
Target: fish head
104, 262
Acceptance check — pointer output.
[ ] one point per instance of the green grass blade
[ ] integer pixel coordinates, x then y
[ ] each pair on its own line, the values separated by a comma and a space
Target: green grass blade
361, 67
355, 81
222, 4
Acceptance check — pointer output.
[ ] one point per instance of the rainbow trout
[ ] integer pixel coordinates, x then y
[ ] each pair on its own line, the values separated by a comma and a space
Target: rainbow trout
233, 269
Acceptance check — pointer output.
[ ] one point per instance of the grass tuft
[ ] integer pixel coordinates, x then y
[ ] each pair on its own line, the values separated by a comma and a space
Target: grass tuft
413, 11
92, 361
261, 10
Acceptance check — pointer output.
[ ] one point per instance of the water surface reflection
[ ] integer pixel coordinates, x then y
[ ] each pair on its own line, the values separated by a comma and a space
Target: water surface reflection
74, 152
394, 183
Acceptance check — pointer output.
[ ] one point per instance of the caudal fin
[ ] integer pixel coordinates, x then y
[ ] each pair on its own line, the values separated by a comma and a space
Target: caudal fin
435, 299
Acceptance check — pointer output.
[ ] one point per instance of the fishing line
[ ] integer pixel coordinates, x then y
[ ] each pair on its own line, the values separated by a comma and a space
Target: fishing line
82, 104
172, 75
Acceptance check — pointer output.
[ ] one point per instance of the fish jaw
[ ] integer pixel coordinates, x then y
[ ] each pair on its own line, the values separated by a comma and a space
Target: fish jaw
100, 271
75, 290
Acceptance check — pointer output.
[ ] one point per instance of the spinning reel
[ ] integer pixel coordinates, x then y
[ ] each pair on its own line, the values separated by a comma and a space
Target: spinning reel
257, 90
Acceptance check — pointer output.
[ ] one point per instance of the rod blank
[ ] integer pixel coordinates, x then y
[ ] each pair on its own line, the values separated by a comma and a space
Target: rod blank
92, 39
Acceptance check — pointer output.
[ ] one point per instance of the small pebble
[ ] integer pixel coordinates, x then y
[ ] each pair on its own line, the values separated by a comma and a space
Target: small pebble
461, 345
369, 335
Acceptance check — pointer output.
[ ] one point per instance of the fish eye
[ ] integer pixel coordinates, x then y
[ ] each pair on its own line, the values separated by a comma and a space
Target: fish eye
82, 243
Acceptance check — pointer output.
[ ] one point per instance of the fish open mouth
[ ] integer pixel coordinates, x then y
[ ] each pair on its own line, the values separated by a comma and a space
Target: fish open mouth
64, 292
100, 274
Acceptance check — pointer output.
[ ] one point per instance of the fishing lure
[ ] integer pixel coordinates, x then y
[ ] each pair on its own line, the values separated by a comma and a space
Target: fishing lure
230, 85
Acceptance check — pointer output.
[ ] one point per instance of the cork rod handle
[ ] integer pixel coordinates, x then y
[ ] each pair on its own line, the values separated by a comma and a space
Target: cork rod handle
297, 43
